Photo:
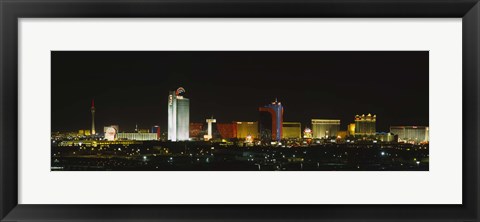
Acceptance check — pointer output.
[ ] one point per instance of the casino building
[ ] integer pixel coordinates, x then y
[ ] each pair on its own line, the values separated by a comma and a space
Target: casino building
246, 130
137, 136
325, 128
365, 125
178, 116
292, 130
411, 134
271, 121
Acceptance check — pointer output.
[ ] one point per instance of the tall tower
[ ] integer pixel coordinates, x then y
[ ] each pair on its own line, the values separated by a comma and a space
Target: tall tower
93, 116
271, 121
178, 116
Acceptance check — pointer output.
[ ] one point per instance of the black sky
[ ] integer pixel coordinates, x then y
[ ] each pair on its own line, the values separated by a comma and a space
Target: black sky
132, 87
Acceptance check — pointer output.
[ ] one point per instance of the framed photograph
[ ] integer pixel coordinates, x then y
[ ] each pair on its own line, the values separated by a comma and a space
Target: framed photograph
259, 110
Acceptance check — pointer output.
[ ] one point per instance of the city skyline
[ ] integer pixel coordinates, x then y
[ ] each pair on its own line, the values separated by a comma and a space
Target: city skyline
148, 107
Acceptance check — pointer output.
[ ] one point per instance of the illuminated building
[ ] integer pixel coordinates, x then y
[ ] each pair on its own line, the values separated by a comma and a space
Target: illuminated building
84, 133
196, 130
209, 128
178, 116
365, 125
351, 129
411, 134
92, 109
227, 130
325, 128
247, 129
307, 133
385, 137
292, 130
143, 131
271, 121
95, 143
137, 136
342, 134
156, 129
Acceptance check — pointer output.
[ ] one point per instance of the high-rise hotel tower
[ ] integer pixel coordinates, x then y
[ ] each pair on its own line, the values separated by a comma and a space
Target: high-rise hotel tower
365, 125
178, 116
271, 121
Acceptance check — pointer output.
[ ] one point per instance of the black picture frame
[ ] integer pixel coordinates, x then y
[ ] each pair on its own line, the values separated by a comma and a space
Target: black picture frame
12, 10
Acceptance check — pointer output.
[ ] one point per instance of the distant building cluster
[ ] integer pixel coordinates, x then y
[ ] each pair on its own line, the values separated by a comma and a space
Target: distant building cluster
411, 134
270, 127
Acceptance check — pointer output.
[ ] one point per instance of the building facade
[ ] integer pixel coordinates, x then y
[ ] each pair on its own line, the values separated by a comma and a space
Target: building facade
271, 121
178, 116
365, 125
292, 130
227, 130
137, 136
156, 129
351, 129
325, 128
385, 137
246, 129
411, 134
196, 130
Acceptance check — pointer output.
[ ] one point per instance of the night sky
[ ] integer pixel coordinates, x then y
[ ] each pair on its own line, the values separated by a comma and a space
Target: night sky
132, 87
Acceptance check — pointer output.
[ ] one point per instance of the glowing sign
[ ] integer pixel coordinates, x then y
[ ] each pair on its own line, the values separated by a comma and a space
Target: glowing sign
110, 134
180, 90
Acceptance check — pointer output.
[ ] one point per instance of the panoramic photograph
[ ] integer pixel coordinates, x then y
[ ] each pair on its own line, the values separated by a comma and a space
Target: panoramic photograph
239, 111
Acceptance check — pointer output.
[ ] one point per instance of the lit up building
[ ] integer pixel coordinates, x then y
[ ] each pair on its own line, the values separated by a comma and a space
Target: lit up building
156, 129
341, 134
196, 130
307, 133
246, 129
83, 133
411, 134
271, 121
365, 125
325, 128
137, 136
385, 137
292, 130
178, 116
351, 129
227, 130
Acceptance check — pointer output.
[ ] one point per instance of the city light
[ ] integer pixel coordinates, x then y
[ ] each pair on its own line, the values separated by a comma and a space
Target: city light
266, 143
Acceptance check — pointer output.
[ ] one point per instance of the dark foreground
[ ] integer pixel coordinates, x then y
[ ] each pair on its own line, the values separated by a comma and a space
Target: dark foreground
194, 156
